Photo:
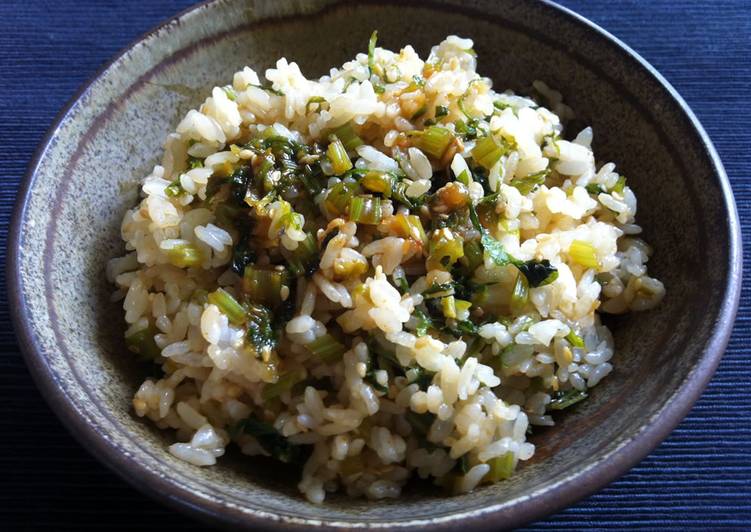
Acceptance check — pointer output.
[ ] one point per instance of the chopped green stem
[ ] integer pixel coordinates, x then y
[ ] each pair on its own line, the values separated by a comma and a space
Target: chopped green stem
228, 305
264, 285
574, 339
337, 154
525, 185
583, 253
184, 256
464, 178
620, 185
445, 249
327, 348
142, 342
174, 189
520, 294
378, 182
410, 226
365, 209
285, 383
501, 467
487, 152
434, 141
472, 255
339, 197
371, 51
302, 259
346, 134
566, 399
314, 100
448, 304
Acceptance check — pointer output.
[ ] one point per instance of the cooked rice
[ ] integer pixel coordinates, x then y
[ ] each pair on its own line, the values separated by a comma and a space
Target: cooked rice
389, 353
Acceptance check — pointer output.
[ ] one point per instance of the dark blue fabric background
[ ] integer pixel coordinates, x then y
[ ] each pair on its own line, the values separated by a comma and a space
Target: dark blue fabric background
699, 478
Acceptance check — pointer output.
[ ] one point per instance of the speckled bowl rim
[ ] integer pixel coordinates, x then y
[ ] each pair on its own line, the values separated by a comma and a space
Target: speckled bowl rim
525, 510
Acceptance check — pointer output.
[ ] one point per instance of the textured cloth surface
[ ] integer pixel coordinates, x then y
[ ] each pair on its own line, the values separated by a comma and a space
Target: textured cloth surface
700, 477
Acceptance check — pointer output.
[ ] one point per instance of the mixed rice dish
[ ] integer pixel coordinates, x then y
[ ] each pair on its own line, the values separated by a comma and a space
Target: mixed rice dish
392, 271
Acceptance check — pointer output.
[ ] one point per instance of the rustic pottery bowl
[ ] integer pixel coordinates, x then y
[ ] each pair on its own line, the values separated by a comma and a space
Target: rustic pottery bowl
87, 171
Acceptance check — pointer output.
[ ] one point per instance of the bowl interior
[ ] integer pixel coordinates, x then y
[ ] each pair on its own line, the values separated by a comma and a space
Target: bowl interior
89, 175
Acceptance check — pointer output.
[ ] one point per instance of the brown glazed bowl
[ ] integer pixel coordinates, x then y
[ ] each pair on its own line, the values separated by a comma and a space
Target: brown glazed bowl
87, 171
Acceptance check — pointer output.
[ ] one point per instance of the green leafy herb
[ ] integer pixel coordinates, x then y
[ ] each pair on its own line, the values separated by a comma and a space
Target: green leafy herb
423, 322
417, 81
399, 193
473, 256
538, 273
421, 111
310, 178
467, 130
303, 260
242, 254
421, 423
464, 465
467, 327
370, 375
274, 443
525, 185
261, 333
239, 183
490, 198
441, 111
402, 284
437, 290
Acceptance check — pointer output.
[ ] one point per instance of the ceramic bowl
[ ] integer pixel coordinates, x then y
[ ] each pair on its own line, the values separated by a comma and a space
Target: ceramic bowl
88, 168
